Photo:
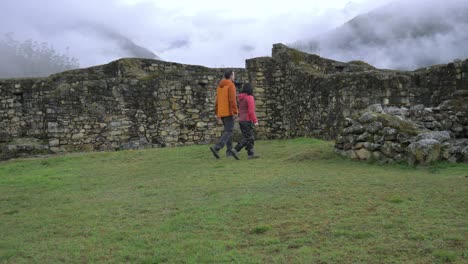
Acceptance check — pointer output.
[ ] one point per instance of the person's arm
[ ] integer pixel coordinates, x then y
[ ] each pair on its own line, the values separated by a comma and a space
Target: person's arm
251, 106
232, 99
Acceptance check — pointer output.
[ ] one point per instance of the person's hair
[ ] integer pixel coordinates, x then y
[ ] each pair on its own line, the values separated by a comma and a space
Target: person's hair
228, 74
247, 88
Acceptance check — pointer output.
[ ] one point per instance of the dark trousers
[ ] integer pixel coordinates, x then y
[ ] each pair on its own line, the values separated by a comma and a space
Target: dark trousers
247, 137
226, 138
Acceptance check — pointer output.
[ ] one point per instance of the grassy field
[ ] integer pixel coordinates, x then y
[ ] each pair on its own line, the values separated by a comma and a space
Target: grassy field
299, 203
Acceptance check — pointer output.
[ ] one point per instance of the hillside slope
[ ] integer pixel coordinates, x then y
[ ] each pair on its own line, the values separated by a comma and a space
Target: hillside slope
400, 35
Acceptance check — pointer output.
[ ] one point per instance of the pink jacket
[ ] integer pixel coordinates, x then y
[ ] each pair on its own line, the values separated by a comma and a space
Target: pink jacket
247, 108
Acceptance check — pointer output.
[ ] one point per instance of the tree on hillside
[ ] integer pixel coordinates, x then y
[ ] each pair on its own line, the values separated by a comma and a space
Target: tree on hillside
31, 59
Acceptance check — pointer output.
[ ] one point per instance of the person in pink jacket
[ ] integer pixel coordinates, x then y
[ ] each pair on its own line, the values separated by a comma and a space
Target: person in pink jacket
247, 120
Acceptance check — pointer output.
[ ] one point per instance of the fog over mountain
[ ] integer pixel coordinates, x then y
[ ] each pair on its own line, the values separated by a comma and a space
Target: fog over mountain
94, 32
122, 45
385, 33
399, 35
201, 32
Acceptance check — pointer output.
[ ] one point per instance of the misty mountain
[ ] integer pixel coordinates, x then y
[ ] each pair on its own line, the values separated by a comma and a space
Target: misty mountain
31, 58
128, 47
118, 44
400, 35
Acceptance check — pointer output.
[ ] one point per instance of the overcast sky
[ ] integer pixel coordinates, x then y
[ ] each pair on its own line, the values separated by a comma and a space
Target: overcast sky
205, 32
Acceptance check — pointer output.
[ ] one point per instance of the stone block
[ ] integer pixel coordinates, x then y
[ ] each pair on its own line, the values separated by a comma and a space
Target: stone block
424, 151
374, 127
441, 136
54, 142
363, 154
354, 129
367, 118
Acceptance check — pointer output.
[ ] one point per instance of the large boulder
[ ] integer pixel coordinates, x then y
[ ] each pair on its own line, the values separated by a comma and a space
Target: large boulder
403, 112
374, 127
364, 137
354, 129
465, 154
372, 146
452, 150
424, 151
376, 108
401, 124
440, 136
389, 133
363, 154
392, 149
403, 138
367, 118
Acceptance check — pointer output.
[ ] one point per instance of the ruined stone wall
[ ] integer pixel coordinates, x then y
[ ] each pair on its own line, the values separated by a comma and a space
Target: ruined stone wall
134, 103
417, 135
130, 103
304, 95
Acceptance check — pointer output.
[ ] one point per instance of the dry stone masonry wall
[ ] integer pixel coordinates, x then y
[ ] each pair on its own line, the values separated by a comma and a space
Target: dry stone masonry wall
137, 103
305, 95
127, 104
418, 135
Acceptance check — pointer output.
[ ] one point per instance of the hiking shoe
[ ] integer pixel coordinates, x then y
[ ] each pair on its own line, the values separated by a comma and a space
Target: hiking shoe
235, 154
215, 152
253, 156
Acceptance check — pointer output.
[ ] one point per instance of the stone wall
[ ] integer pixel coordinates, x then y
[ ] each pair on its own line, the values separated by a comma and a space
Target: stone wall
418, 135
135, 103
305, 95
130, 103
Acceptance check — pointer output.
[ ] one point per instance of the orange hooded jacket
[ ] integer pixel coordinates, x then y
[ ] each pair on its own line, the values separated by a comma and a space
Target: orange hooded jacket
226, 102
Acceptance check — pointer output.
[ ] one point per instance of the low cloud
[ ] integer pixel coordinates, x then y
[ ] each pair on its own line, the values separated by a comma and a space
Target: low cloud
97, 32
400, 35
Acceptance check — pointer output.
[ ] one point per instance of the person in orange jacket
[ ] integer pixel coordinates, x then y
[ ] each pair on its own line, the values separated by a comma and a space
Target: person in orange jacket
226, 111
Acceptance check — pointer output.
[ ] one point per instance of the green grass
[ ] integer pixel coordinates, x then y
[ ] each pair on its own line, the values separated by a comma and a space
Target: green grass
299, 203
